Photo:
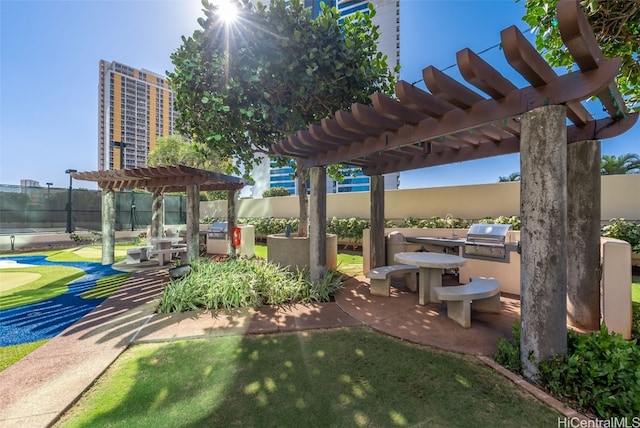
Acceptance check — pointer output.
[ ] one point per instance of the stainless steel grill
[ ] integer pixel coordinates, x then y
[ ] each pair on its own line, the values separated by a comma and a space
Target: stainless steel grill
487, 242
217, 230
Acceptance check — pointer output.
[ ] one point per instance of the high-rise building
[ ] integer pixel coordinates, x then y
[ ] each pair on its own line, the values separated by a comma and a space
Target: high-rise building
135, 107
387, 19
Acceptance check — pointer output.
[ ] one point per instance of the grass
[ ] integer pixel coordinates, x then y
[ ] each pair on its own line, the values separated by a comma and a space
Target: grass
335, 378
40, 283
11, 354
52, 282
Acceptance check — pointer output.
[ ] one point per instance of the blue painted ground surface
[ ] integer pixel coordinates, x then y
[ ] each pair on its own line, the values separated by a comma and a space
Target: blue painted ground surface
47, 319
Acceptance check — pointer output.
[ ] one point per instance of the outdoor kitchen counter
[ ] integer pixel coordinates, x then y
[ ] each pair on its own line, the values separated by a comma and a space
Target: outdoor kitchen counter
436, 240
430, 271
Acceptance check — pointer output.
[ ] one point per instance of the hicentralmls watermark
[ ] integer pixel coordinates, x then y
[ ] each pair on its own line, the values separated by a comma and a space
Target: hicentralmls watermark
625, 422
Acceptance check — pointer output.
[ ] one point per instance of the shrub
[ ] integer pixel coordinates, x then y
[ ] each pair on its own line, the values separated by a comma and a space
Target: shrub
620, 228
600, 373
237, 282
508, 352
276, 191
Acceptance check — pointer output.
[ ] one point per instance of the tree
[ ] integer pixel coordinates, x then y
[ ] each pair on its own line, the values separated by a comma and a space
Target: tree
174, 150
276, 191
242, 88
616, 25
624, 164
514, 176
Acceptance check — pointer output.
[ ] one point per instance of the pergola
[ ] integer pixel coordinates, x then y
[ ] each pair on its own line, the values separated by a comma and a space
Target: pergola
159, 180
558, 142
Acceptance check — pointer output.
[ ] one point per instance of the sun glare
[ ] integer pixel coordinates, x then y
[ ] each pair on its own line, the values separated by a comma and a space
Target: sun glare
227, 10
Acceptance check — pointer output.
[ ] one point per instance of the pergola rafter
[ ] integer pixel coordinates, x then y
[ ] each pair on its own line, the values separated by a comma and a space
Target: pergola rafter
488, 115
453, 123
159, 180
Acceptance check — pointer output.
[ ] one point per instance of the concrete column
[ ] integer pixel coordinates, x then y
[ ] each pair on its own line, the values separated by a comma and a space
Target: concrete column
232, 219
318, 223
543, 211
377, 251
193, 222
157, 218
108, 226
583, 223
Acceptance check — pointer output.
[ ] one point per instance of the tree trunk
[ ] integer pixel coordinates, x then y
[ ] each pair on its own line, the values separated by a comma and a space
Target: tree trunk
301, 178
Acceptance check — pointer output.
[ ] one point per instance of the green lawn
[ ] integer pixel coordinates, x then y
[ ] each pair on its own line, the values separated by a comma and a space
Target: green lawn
350, 377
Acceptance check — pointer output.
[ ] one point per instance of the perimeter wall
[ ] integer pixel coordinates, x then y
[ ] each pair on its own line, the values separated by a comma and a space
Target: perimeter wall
620, 199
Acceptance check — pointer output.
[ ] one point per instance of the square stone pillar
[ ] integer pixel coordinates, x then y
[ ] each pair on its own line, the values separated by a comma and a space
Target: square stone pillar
377, 250
232, 220
157, 215
318, 223
108, 226
193, 222
543, 211
583, 217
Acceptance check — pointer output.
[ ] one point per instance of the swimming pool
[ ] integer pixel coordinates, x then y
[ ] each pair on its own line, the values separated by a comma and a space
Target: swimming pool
48, 318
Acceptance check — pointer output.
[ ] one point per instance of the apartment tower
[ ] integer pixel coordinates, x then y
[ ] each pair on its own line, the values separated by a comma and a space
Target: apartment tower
135, 107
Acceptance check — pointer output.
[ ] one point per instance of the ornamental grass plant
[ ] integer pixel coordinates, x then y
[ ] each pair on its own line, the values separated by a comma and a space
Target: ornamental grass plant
241, 282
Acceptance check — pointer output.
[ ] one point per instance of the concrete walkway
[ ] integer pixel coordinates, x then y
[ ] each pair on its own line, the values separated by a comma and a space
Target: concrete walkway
37, 390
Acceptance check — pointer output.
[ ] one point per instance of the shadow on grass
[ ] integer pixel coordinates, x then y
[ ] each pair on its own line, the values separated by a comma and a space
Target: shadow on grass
342, 377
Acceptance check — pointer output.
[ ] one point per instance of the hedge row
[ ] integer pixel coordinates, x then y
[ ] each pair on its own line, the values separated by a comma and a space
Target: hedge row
350, 229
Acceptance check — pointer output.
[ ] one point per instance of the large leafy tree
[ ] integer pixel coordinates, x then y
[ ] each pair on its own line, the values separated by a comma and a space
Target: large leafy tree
242, 87
624, 164
616, 25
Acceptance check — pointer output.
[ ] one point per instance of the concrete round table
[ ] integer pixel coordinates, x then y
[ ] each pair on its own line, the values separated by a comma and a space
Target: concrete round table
430, 271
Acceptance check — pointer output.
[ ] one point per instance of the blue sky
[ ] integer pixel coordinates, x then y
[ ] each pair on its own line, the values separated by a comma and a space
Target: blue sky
50, 50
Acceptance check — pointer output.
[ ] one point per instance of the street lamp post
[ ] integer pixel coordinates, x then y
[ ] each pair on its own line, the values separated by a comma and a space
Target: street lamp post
69, 226
49, 189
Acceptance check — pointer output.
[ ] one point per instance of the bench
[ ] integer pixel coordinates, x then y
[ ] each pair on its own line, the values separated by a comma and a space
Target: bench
137, 254
162, 254
484, 292
380, 278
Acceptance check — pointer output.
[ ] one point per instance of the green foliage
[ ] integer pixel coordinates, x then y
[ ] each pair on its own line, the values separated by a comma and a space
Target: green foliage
635, 321
616, 25
241, 88
514, 176
348, 228
13, 353
508, 352
600, 373
435, 222
276, 191
625, 230
270, 225
214, 195
235, 283
514, 221
623, 164
174, 150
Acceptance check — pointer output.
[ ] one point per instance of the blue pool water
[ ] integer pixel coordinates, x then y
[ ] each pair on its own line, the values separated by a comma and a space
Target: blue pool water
47, 319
